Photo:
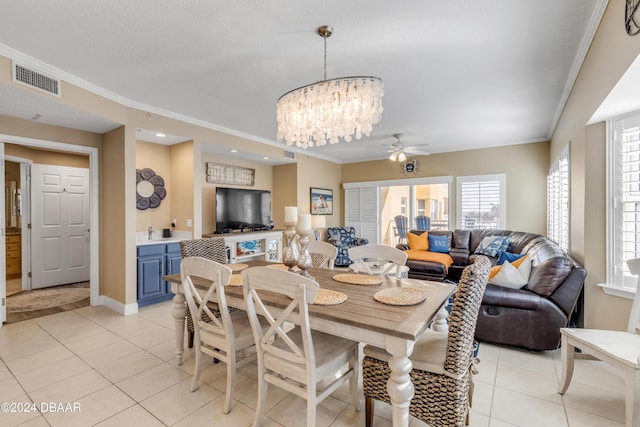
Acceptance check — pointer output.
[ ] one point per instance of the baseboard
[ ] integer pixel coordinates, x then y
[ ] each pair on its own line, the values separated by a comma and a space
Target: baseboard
117, 306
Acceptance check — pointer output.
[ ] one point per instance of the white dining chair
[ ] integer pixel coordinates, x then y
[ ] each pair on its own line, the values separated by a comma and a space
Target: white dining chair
296, 358
323, 254
395, 258
619, 349
220, 337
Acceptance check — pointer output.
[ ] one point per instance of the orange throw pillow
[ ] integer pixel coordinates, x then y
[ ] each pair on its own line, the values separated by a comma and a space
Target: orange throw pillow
418, 243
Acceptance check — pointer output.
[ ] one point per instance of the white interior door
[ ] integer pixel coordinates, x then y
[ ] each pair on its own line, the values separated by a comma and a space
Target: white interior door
59, 225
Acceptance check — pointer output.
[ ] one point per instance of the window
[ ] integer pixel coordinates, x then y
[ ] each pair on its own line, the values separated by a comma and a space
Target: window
623, 195
481, 201
371, 206
558, 201
403, 206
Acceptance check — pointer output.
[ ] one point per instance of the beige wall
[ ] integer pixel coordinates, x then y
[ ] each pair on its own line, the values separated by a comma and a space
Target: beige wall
263, 181
181, 198
113, 256
156, 157
47, 157
525, 165
285, 179
610, 54
319, 173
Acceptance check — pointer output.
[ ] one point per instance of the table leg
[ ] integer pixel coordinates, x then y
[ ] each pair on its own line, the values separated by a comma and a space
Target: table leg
440, 323
399, 386
179, 312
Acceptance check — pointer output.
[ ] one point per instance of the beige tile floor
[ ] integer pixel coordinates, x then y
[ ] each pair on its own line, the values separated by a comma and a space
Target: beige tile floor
122, 372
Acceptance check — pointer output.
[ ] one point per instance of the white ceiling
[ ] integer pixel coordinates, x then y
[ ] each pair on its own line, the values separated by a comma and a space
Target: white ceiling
457, 74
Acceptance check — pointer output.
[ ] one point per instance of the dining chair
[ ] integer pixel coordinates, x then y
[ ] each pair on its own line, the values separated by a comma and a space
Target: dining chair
323, 254
299, 360
394, 259
221, 335
401, 228
210, 248
620, 349
442, 362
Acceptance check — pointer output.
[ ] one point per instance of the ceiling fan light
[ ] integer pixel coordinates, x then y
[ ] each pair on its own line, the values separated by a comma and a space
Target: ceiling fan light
394, 156
402, 157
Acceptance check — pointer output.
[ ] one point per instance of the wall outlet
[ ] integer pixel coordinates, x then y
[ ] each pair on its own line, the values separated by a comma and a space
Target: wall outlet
189, 223
173, 223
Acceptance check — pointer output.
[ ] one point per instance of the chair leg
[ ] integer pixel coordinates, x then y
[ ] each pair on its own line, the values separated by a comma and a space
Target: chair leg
198, 367
567, 355
262, 397
231, 382
632, 398
311, 405
368, 410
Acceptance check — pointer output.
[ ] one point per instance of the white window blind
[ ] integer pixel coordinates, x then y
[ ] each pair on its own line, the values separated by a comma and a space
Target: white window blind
558, 201
361, 211
481, 201
623, 216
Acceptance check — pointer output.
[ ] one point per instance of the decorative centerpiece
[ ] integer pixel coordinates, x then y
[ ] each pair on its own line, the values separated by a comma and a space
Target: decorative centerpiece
290, 251
304, 231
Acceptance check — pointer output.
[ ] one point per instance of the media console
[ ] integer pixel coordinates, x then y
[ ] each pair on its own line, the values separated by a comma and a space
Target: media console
252, 245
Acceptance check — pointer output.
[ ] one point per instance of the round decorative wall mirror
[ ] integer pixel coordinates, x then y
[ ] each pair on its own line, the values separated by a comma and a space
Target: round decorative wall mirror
149, 189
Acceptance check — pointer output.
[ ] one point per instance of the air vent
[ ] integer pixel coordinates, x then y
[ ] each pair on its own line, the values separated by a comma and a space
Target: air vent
289, 154
35, 80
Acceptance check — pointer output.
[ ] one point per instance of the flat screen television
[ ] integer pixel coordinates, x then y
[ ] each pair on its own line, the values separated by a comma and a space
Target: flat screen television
242, 209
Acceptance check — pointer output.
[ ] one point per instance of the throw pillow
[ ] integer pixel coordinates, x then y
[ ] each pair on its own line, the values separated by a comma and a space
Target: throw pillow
492, 246
508, 256
439, 244
418, 242
511, 275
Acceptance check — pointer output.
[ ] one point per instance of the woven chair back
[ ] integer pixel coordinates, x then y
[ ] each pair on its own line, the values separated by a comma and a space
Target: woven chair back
464, 314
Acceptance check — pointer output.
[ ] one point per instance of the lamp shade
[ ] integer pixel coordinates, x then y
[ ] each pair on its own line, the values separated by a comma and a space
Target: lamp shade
318, 221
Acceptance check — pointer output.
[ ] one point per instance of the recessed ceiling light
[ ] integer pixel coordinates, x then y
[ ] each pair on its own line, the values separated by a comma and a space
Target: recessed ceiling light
265, 158
233, 151
160, 135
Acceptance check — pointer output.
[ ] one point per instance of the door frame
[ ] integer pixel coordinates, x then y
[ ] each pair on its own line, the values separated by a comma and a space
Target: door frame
25, 191
94, 217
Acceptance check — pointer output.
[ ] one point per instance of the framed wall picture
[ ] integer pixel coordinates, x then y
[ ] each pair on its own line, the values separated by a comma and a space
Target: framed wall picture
321, 201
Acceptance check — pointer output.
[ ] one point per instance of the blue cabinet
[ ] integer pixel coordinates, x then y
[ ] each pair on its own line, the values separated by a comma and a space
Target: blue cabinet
155, 261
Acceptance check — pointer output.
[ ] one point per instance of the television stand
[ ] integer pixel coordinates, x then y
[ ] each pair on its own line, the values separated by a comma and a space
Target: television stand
253, 245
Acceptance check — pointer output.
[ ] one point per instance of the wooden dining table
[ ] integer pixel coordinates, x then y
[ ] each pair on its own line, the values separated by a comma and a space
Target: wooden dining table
360, 318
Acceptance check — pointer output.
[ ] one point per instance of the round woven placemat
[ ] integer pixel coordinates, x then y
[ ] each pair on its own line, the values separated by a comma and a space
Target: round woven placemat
329, 297
238, 267
400, 296
358, 279
281, 267
236, 280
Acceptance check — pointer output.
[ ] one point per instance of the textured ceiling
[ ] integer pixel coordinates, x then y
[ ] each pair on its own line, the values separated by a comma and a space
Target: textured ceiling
457, 74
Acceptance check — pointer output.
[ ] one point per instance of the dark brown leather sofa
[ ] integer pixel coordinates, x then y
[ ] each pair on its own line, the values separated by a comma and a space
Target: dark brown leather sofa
530, 317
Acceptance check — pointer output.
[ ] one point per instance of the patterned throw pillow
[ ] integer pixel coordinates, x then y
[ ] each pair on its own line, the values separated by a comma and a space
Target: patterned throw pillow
439, 244
492, 246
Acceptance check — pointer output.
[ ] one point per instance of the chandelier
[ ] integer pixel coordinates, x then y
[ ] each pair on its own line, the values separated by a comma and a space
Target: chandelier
331, 109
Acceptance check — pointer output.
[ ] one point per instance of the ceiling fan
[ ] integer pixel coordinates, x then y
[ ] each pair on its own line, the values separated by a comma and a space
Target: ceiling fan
399, 150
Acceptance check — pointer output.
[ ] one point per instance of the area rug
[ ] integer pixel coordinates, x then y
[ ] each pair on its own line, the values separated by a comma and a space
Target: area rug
45, 298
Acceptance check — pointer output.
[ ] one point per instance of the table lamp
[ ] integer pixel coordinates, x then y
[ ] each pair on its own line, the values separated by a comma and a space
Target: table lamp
318, 222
